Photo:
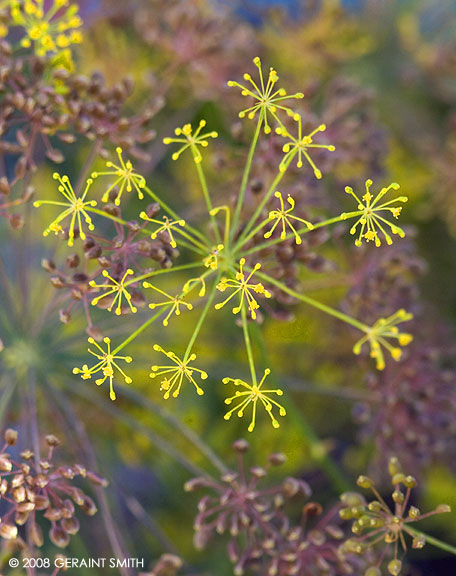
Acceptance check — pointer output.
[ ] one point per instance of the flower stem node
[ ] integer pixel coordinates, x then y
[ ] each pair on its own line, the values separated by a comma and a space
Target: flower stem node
240, 284
173, 376
379, 335
191, 140
371, 215
107, 363
251, 394
74, 207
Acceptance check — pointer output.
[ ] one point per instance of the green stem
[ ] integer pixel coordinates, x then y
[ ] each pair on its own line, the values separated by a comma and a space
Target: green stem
255, 231
300, 232
245, 176
143, 230
173, 214
263, 203
140, 330
207, 198
434, 541
162, 204
248, 345
196, 249
201, 318
315, 303
163, 271
317, 451
202, 248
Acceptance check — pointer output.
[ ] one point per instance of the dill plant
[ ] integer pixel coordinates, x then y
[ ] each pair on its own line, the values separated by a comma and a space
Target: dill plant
228, 276
218, 257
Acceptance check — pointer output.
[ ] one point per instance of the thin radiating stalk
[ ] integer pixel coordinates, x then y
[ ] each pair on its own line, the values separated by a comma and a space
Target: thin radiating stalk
315, 303
173, 214
207, 198
201, 318
248, 345
140, 330
290, 235
434, 541
245, 176
194, 247
262, 204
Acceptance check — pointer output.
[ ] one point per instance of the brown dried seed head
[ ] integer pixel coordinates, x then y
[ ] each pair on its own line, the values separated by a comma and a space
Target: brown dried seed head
8, 531
97, 479
5, 463
88, 506
59, 537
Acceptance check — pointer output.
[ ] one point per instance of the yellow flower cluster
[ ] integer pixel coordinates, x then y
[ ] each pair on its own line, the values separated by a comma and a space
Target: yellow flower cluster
48, 32
74, 207
243, 287
107, 361
251, 394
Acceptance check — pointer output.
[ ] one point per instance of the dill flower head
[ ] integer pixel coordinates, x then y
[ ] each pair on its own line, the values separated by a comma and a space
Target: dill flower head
372, 215
191, 140
376, 522
381, 332
251, 394
49, 32
115, 288
299, 146
32, 491
125, 178
166, 226
268, 100
241, 285
283, 217
173, 376
174, 303
74, 208
211, 261
107, 362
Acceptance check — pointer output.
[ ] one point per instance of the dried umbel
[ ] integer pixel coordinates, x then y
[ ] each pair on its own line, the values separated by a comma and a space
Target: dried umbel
412, 407
33, 488
243, 506
265, 535
376, 523
42, 103
200, 44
